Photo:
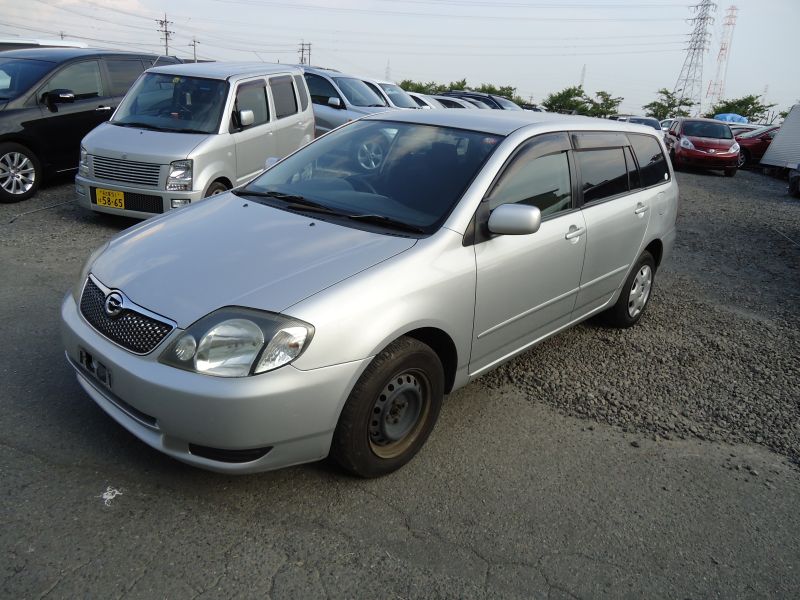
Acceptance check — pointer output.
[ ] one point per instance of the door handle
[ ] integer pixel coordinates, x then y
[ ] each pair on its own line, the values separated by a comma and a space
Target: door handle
102, 108
640, 209
574, 232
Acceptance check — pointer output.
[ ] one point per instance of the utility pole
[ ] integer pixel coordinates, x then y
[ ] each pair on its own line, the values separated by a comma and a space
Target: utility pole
690, 80
716, 88
193, 44
164, 30
305, 53
61, 33
583, 75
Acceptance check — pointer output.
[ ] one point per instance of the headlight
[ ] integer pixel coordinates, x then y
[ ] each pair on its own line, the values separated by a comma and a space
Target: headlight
735, 147
180, 176
83, 165
237, 342
87, 267
685, 143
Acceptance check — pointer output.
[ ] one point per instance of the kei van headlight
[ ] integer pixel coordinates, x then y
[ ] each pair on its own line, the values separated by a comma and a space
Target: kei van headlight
83, 165
180, 176
237, 342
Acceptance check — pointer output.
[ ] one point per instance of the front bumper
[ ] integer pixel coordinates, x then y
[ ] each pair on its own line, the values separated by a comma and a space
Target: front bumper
705, 160
149, 201
293, 412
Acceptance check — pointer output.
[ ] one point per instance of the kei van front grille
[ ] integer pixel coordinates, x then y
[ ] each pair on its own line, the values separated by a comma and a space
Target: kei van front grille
130, 329
139, 202
126, 171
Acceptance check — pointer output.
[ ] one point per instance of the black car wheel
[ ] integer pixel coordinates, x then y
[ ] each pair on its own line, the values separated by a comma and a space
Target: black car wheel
391, 411
215, 189
20, 173
635, 294
744, 158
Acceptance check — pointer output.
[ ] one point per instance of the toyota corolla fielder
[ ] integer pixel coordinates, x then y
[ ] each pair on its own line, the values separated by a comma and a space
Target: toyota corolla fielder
326, 308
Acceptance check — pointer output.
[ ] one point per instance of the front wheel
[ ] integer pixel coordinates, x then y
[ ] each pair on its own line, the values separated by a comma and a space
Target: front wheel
743, 159
20, 173
391, 411
635, 294
215, 189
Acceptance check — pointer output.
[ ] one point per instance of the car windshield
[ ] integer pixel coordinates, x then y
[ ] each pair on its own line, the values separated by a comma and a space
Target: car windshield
646, 121
404, 176
357, 92
706, 129
173, 103
398, 96
18, 75
506, 104
756, 132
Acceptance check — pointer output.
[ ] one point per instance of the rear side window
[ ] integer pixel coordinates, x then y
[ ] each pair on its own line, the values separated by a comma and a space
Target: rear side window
449, 103
652, 162
603, 173
283, 96
82, 78
253, 96
122, 74
301, 91
320, 89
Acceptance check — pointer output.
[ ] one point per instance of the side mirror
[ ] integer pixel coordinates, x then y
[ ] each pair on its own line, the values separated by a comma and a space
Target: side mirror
334, 102
60, 96
246, 118
515, 219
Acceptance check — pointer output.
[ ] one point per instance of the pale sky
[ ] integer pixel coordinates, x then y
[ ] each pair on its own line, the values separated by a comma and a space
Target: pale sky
629, 48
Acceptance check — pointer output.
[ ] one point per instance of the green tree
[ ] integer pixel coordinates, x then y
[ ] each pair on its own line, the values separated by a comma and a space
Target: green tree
668, 104
431, 87
747, 106
603, 104
571, 99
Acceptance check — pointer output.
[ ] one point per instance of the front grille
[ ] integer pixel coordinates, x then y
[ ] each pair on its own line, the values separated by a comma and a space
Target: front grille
138, 202
130, 329
127, 171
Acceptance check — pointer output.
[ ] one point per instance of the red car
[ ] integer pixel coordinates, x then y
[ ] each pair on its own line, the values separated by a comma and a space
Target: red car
754, 143
703, 143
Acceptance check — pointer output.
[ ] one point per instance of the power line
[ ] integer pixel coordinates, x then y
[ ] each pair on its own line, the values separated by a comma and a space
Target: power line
305, 53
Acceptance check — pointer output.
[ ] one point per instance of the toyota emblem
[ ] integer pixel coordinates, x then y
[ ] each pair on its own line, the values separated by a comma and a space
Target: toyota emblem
113, 305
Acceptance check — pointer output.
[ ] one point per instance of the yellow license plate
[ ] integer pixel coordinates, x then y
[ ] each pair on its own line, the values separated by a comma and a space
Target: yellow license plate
110, 198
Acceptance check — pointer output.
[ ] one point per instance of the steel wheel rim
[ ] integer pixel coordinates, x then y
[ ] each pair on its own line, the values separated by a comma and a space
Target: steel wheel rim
370, 155
17, 173
640, 291
399, 413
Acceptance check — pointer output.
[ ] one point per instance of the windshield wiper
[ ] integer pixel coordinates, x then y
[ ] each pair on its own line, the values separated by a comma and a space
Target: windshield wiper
294, 201
139, 125
386, 221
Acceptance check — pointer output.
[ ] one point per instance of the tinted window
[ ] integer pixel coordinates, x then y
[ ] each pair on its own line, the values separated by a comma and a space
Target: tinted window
82, 78
603, 173
301, 91
634, 181
377, 92
358, 93
652, 162
253, 96
506, 104
449, 103
122, 74
320, 89
419, 102
542, 182
283, 96
646, 121
398, 96
16, 76
706, 129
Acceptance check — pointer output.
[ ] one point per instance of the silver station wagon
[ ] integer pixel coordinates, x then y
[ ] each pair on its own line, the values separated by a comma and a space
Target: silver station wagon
326, 309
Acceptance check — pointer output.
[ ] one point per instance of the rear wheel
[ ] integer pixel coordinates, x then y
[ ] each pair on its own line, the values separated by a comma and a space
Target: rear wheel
635, 294
20, 173
391, 411
730, 172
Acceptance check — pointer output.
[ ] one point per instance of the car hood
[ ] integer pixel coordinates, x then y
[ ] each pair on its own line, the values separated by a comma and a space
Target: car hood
702, 143
230, 251
143, 145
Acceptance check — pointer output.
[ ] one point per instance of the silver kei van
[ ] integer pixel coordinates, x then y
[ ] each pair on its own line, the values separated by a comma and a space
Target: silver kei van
337, 305
186, 132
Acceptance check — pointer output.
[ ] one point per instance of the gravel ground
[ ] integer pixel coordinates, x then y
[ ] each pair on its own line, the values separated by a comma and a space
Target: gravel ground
716, 354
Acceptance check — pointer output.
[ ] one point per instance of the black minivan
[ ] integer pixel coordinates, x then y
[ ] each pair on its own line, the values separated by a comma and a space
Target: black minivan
50, 98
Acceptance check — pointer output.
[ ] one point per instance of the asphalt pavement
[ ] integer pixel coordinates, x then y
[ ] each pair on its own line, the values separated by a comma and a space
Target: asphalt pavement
517, 494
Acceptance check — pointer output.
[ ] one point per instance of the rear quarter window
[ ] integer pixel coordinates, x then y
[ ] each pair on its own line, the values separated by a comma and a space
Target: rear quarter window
283, 96
652, 162
603, 173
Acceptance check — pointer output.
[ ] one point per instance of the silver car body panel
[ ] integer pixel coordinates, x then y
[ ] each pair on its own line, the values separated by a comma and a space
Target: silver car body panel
234, 157
360, 290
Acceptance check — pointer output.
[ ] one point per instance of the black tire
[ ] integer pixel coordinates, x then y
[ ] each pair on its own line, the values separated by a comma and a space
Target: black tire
215, 189
744, 158
674, 161
399, 394
19, 169
730, 172
622, 315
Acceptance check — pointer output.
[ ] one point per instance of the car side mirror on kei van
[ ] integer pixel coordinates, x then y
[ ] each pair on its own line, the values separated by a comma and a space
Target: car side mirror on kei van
335, 103
246, 118
515, 219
